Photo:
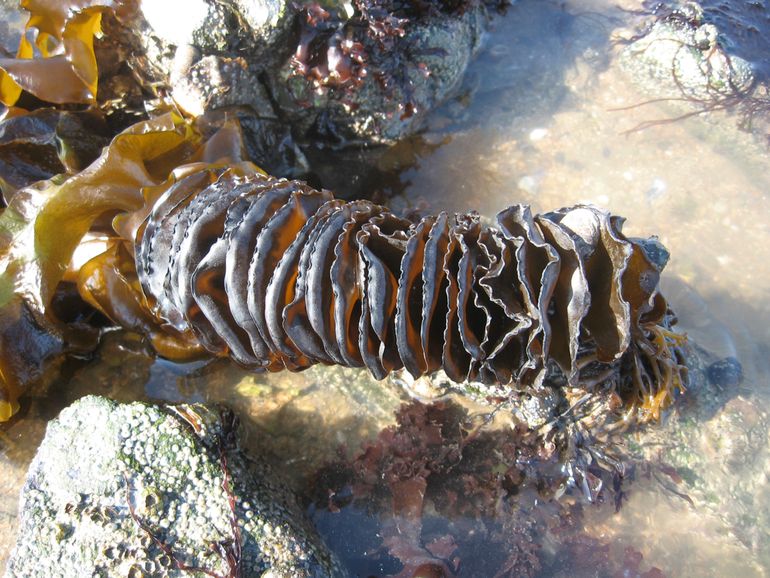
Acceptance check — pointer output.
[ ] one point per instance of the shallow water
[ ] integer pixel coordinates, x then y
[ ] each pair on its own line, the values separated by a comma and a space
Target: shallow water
539, 121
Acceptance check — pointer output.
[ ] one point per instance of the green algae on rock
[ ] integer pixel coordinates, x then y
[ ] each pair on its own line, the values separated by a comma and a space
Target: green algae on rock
136, 488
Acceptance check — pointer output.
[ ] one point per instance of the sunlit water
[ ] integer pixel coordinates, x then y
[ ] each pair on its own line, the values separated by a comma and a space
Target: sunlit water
538, 122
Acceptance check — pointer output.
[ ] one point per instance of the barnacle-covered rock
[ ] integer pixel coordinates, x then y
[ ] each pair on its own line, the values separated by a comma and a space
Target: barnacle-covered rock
140, 490
684, 54
279, 276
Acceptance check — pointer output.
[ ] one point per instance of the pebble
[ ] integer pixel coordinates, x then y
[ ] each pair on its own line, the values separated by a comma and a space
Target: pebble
528, 184
657, 189
538, 134
726, 372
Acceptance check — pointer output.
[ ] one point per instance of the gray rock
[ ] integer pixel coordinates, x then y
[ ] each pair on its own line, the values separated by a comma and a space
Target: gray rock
683, 56
209, 53
220, 53
11, 27
271, 146
430, 61
139, 490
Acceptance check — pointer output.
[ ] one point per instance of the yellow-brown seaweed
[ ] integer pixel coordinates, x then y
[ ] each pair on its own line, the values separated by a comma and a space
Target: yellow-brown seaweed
55, 61
44, 223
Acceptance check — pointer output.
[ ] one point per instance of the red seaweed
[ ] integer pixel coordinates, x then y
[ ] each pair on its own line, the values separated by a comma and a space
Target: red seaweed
456, 498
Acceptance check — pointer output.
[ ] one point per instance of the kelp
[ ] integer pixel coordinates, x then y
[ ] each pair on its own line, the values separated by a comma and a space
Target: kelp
278, 275
55, 61
44, 224
206, 252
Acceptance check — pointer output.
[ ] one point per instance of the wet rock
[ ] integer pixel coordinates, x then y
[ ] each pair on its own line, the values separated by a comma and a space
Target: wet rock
271, 146
140, 490
421, 71
11, 27
683, 55
726, 372
209, 53
217, 81
46, 142
212, 54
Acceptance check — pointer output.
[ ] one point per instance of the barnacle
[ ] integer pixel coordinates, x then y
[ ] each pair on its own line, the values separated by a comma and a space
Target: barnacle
278, 275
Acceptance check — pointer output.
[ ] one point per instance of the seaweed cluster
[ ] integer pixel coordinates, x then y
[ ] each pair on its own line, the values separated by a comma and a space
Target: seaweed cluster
457, 498
66, 92
324, 56
43, 227
208, 254
55, 60
278, 275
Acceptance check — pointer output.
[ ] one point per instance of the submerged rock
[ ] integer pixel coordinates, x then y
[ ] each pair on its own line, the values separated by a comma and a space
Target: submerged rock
684, 55
140, 490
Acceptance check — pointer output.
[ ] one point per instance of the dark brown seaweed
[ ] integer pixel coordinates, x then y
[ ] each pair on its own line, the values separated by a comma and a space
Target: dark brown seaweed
210, 252
279, 276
